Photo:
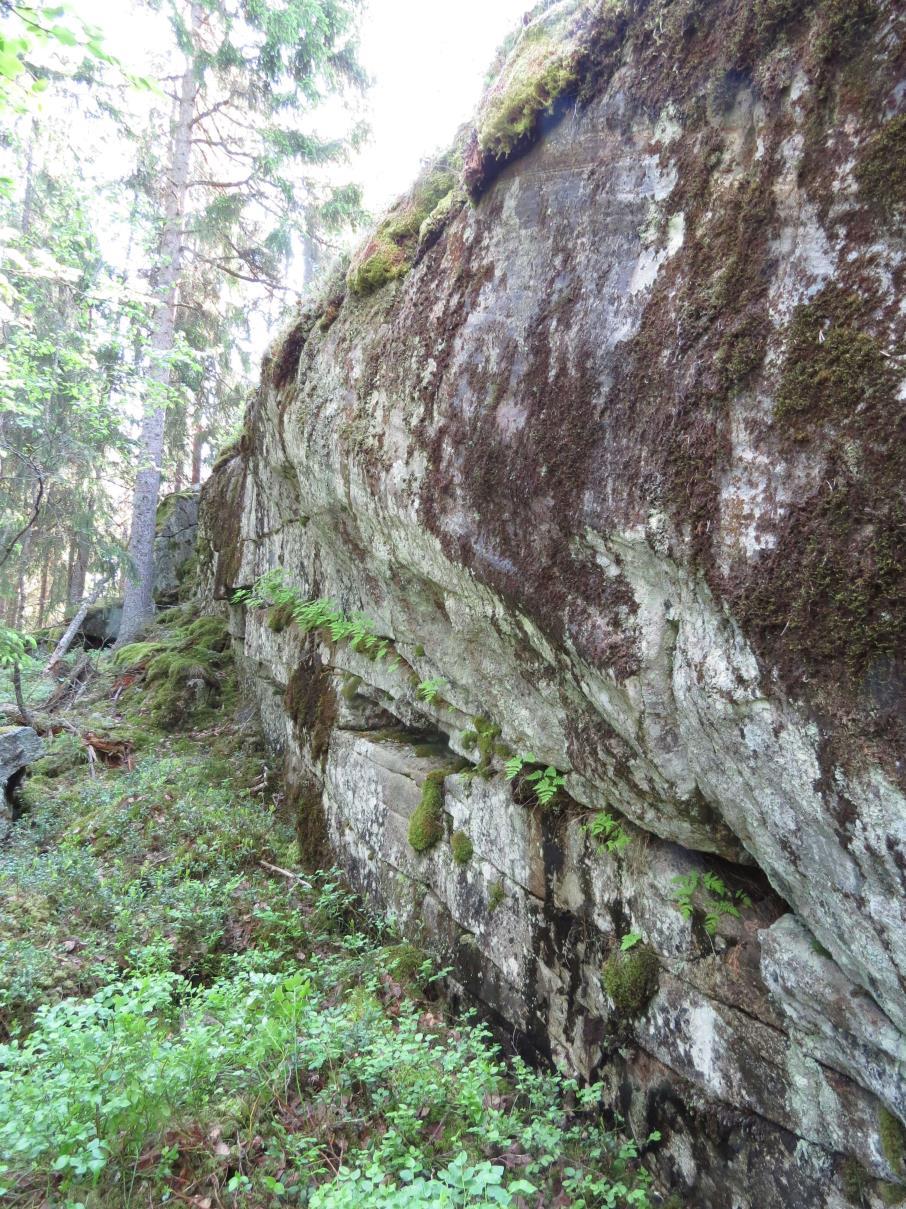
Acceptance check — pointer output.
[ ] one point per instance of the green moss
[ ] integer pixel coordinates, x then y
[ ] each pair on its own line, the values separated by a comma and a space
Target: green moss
845, 24
893, 1140
469, 738
496, 895
462, 848
186, 669
405, 962
64, 752
136, 655
350, 687
426, 826
279, 617
881, 172
486, 734
380, 261
630, 980
539, 74
445, 210
390, 252
419, 651
167, 506
855, 1180
832, 368
891, 1194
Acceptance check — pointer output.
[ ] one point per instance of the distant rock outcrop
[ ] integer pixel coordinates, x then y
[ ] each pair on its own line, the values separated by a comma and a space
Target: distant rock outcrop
604, 429
19, 747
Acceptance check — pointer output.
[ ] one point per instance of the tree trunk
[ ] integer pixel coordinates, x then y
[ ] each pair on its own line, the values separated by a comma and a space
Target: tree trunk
138, 602
52, 666
42, 598
78, 572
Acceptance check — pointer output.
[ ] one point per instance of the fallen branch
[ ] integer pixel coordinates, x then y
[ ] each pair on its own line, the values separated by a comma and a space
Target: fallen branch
53, 664
296, 877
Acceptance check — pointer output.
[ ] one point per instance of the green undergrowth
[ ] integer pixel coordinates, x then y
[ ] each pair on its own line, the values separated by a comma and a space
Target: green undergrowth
186, 668
188, 1018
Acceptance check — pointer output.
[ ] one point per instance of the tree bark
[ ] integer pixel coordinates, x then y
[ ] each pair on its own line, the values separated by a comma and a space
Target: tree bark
138, 602
42, 597
20, 698
53, 663
79, 571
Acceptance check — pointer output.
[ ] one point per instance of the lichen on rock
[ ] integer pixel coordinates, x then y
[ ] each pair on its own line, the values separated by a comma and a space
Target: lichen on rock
620, 459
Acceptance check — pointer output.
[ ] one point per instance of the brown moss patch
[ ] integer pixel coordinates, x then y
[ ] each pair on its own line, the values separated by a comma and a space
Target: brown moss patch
881, 171
310, 700
305, 803
833, 369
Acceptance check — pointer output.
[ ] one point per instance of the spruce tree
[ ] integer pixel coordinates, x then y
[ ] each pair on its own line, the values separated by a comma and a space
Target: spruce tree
242, 176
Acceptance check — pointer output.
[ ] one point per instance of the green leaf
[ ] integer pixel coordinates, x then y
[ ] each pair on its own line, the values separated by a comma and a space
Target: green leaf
64, 35
630, 940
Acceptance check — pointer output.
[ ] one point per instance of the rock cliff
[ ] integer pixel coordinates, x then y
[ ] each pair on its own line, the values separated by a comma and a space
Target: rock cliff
603, 430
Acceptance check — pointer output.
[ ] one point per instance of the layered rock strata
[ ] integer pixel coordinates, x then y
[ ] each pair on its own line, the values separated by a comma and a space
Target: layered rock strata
608, 445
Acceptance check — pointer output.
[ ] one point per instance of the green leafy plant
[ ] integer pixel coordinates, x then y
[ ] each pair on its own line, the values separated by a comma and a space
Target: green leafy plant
429, 690
629, 941
545, 782
14, 647
608, 831
358, 630
716, 898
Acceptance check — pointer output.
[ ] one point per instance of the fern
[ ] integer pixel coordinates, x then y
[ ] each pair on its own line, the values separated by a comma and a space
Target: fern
429, 690
719, 901
608, 831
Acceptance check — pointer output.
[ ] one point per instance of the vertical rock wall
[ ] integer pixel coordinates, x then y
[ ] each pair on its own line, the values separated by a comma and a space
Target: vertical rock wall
603, 431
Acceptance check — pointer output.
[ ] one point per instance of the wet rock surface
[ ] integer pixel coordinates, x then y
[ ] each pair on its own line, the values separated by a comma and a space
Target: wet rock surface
568, 464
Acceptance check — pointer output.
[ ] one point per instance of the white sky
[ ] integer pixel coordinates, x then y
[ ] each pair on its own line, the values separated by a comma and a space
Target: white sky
428, 59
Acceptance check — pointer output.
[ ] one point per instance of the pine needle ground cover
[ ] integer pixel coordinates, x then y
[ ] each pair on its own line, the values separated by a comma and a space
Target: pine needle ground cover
180, 1024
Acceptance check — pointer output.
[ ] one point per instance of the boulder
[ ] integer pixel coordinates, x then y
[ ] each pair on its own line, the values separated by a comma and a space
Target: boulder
616, 458
174, 544
19, 746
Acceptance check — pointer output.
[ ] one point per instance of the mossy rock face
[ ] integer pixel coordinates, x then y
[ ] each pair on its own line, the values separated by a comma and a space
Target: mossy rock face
185, 670
496, 895
538, 75
630, 980
893, 1141
426, 826
881, 172
833, 366
461, 847
64, 753
279, 618
391, 250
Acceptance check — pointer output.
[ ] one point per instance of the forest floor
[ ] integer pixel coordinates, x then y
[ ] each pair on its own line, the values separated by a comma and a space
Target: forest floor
187, 1016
